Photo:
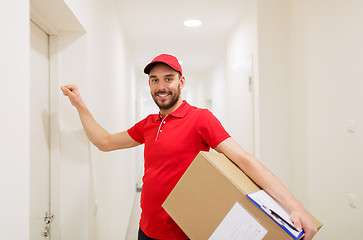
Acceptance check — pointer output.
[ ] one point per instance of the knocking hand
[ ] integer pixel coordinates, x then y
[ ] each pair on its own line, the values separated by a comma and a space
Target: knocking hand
71, 91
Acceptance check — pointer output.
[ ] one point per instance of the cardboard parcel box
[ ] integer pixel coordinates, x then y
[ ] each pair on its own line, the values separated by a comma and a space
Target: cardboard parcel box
206, 194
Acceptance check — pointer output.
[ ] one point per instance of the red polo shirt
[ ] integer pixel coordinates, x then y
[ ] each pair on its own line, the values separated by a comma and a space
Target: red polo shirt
171, 144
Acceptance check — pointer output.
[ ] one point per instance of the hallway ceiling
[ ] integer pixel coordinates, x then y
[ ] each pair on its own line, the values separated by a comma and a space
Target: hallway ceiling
153, 27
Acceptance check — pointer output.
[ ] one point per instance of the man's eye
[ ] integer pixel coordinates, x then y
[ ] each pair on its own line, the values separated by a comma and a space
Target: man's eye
154, 80
169, 79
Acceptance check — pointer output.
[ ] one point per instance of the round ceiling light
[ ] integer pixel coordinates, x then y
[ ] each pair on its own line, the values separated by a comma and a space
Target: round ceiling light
192, 23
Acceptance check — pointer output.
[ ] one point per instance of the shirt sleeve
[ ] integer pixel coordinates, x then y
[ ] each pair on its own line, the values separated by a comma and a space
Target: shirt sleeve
211, 129
137, 132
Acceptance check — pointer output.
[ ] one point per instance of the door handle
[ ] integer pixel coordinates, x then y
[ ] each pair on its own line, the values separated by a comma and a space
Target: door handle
48, 218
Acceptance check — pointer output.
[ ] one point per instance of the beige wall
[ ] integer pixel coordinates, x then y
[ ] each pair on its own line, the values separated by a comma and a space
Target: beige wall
309, 86
262, 34
325, 92
273, 83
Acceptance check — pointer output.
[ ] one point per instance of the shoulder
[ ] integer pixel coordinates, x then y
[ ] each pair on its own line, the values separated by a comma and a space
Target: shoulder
147, 120
202, 112
150, 117
203, 117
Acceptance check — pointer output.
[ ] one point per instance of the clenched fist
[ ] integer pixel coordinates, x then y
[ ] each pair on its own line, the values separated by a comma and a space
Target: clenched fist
71, 91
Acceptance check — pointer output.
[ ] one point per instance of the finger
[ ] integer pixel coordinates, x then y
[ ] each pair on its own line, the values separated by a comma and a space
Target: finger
65, 90
71, 88
310, 232
298, 226
68, 89
297, 223
307, 236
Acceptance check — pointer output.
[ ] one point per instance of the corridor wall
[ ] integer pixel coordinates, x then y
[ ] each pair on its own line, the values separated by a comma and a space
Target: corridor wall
308, 98
325, 96
110, 95
97, 62
14, 120
307, 80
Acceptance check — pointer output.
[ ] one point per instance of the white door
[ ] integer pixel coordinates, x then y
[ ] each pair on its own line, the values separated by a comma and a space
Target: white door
241, 104
40, 131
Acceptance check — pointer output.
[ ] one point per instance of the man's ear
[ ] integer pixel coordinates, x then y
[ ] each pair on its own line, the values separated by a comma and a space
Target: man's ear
182, 82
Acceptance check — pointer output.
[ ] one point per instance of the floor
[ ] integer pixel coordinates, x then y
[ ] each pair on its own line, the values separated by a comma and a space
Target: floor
134, 221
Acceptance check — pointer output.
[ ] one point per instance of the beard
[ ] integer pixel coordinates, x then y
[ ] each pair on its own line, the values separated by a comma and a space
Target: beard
167, 103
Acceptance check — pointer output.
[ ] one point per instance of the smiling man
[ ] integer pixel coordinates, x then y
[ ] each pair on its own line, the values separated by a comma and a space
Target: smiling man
165, 85
172, 139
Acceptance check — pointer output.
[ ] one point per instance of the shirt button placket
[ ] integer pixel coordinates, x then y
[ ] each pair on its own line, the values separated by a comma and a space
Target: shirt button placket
160, 130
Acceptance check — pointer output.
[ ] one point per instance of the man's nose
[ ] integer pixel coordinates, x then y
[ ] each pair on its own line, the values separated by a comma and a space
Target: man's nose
162, 86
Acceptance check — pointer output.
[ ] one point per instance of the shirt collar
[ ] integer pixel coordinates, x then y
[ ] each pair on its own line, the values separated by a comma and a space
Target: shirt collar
181, 111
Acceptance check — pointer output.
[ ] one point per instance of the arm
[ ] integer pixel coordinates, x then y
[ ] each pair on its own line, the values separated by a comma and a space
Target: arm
270, 183
102, 139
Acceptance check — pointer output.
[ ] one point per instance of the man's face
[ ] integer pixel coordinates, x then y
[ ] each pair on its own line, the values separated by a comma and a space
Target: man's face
165, 86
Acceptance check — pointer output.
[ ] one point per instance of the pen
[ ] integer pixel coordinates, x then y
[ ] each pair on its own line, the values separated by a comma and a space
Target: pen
277, 216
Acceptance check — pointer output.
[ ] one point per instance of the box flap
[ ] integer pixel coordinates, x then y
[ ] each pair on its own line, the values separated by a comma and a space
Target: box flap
232, 172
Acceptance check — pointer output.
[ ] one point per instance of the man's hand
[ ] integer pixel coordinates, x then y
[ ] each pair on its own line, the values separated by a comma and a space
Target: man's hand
302, 220
71, 91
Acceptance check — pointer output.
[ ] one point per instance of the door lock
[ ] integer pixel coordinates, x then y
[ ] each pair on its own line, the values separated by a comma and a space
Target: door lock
48, 218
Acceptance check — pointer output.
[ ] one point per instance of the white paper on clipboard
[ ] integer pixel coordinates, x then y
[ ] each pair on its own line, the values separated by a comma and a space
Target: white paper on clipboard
238, 224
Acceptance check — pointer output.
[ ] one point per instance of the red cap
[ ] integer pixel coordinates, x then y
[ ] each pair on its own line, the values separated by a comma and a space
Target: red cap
168, 60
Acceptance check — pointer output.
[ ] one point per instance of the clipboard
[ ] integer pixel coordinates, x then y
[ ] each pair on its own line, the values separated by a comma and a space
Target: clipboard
275, 211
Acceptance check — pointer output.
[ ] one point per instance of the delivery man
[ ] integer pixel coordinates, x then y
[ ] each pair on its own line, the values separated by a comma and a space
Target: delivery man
172, 139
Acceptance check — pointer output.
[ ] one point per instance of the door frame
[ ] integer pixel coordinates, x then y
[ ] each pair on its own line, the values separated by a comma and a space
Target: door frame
50, 16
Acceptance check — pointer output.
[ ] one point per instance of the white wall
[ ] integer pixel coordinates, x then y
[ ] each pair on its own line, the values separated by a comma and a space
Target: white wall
97, 62
14, 120
242, 47
71, 195
217, 89
110, 96
225, 86
325, 92
273, 88
261, 35
197, 90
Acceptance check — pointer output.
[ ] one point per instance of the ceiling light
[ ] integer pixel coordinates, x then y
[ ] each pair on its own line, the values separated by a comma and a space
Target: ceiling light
192, 23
